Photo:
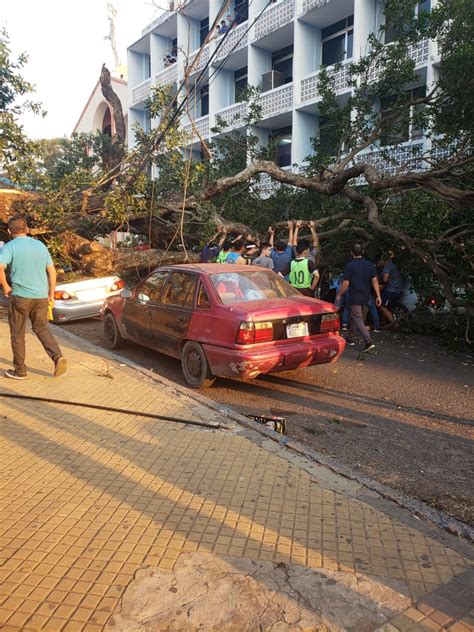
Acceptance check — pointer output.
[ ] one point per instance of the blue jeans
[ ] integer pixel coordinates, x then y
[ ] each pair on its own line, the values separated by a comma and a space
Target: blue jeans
374, 314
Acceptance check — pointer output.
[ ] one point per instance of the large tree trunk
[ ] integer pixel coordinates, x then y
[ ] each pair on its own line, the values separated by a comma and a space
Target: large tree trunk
117, 151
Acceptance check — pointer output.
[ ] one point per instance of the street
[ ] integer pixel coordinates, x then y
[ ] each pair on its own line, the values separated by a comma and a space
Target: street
402, 416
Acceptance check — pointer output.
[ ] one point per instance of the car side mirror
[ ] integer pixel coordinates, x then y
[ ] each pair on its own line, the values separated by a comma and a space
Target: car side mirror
125, 293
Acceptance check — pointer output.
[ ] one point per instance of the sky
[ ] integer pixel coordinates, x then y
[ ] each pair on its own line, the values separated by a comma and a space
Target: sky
65, 43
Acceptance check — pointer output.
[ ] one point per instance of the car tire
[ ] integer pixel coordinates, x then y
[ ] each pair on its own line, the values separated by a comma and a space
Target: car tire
112, 336
399, 310
195, 366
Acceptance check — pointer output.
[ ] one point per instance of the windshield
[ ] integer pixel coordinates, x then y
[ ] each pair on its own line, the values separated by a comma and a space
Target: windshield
237, 287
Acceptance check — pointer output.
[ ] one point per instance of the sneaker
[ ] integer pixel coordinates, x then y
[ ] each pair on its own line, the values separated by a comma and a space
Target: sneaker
349, 341
368, 347
377, 331
60, 367
344, 327
13, 375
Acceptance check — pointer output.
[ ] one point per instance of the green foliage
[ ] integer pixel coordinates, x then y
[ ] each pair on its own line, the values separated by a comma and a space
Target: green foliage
13, 142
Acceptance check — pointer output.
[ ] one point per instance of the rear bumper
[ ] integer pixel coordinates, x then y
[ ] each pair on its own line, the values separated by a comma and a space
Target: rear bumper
64, 311
248, 363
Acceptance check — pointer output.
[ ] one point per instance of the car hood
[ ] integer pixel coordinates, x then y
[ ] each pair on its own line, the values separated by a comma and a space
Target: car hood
274, 308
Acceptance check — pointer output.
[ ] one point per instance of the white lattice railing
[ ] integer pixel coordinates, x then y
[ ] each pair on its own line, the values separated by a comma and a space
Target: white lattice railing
141, 92
313, 4
274, 18
309, 85
238, 38
233, 115
420, 52
198, 59
167, 75
200, 129
391, 160
277, 101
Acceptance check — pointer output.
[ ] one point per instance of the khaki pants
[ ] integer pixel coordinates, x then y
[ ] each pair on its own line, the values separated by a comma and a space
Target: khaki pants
36, 309
357, 324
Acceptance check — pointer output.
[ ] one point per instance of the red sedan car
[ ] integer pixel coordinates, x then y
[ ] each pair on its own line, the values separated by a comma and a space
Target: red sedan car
222, 320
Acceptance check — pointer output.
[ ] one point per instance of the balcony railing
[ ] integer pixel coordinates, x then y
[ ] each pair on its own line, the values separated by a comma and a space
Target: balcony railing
167, 75
420, 52
233, 115
392, 160
237, 38
198, 59
313, 4
141, 92
277, 101
274, 18
310, 85
199, 131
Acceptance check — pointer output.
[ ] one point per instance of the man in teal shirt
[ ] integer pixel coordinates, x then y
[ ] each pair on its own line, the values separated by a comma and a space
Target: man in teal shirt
33, 280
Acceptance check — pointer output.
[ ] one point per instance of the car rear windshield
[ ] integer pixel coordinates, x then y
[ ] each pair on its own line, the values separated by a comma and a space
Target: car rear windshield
251, 285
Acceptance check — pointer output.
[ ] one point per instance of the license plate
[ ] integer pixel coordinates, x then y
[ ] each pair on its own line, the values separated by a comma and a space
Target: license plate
91, 295
297, 330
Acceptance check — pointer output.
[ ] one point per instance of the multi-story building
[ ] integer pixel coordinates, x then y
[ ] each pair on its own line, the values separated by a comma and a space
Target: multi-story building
278, 46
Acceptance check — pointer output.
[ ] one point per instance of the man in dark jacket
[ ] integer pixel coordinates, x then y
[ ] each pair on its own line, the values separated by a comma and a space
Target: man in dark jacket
358, 279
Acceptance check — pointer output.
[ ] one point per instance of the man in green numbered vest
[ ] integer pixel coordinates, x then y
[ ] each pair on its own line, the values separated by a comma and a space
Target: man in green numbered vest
303, 273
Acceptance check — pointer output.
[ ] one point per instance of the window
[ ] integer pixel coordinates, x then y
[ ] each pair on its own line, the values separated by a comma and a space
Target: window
338, 41
392, 32
241, 11
205, 100
235, 287
282, 137
204, 30
151, 288
180, 289
240, 83
146, 66
174, 47
282, 61
407, 125
203, 301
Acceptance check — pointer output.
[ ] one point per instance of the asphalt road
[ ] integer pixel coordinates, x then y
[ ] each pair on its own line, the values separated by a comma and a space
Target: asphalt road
402, 416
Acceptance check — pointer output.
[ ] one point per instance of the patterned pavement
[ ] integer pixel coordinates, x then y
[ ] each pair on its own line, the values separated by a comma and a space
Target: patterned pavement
87, 497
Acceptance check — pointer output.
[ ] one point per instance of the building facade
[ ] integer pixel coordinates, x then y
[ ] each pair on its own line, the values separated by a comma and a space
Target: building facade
277, 46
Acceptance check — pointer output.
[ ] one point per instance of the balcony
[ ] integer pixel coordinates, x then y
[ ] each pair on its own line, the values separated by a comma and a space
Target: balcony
236, 40
198, 60
309, 85
276, 101
420, 52
392, 160
141, 92
233, 115
199, 131
167, 76
313, 4
273, 18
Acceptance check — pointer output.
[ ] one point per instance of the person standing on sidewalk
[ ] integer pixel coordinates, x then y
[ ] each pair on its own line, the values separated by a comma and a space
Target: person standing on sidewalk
358, 279
33, 279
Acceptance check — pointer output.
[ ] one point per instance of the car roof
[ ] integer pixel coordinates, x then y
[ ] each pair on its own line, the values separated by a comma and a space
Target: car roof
213, 268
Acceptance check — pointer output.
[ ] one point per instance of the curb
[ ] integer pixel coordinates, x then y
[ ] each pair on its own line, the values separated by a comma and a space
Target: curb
417, 508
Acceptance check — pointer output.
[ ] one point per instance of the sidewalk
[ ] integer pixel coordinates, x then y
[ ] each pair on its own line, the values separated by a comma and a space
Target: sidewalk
113, 520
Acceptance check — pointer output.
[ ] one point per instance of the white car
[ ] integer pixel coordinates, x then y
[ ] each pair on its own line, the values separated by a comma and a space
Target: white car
84, 298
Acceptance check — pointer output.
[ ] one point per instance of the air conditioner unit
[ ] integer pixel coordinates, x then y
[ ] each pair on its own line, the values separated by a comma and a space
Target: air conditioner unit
272, 79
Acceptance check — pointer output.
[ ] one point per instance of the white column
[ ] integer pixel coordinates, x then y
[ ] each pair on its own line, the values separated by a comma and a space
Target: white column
365, 22
159, 48
305, 127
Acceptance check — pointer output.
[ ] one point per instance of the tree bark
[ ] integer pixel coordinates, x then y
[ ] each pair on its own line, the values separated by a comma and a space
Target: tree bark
118, 139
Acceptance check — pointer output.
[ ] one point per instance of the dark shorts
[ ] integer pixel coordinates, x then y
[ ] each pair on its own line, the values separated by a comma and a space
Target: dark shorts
390, 299
306, 291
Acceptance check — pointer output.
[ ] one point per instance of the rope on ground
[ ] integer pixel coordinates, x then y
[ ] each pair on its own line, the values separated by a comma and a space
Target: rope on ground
112, 409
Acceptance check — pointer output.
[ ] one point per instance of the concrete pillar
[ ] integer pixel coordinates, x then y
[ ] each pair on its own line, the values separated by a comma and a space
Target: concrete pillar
365, 22
305, 127
159, 48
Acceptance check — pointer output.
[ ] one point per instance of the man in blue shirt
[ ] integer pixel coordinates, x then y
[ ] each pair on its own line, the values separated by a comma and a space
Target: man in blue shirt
358, 279
33, 280
282, 253
391, 280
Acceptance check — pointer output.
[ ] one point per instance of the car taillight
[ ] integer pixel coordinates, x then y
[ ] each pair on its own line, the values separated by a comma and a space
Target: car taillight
118, 285
61, 296
254, 332
263, 332
329, 322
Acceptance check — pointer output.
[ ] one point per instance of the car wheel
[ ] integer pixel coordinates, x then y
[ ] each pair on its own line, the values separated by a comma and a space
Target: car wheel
399, 310
195, 366
112, 336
